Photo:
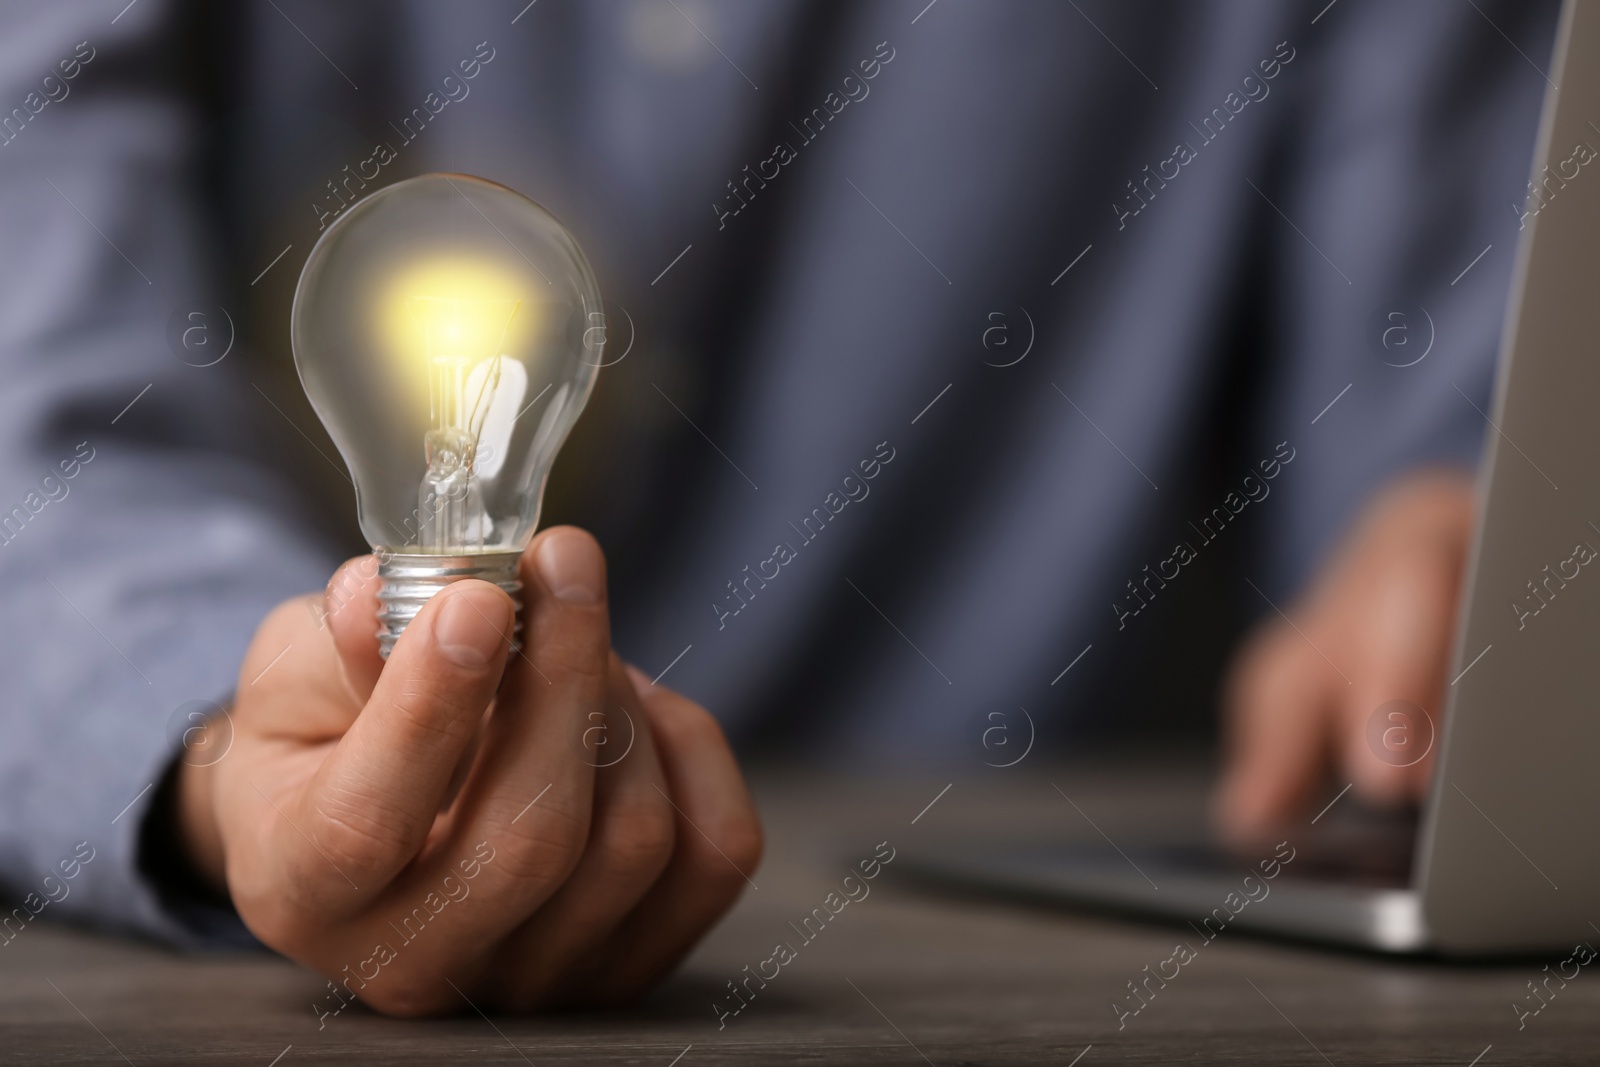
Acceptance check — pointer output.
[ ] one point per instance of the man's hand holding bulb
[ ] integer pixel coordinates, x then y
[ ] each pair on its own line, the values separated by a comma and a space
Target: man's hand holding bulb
354, 788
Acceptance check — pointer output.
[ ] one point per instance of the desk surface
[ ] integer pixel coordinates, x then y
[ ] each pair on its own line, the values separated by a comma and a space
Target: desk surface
901, 977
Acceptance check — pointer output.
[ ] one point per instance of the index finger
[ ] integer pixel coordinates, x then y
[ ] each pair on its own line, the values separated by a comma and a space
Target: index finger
1280, 709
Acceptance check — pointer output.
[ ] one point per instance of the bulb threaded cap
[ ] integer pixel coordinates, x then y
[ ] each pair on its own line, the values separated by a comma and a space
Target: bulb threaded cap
410, 581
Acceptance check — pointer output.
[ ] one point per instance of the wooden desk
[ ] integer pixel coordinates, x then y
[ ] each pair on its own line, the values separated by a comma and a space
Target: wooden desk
900, 977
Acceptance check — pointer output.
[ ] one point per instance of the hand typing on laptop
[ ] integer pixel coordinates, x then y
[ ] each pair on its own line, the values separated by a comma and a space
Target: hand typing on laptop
1374, 627
447, 825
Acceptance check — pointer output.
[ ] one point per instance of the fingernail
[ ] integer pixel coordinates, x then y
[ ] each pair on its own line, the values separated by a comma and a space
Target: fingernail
571, 565
471, 626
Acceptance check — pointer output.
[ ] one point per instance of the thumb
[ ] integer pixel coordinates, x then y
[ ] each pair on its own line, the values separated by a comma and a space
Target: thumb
373, 800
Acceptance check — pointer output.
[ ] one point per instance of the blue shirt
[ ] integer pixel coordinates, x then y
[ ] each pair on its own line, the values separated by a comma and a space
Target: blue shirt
961, 340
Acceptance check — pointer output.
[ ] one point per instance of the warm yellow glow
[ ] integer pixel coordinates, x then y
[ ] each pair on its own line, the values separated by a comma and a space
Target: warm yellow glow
454, 312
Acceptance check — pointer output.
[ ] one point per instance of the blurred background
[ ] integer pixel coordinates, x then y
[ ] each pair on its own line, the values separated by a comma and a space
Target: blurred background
964, 242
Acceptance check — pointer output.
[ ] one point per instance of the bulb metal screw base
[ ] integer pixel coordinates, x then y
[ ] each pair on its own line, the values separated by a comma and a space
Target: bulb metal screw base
410, 581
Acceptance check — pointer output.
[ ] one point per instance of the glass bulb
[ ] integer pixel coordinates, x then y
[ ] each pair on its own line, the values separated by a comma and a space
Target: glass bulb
448, 332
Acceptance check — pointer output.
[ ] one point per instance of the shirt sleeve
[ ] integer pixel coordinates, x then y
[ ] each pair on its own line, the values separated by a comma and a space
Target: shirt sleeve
142, 536
1392, 223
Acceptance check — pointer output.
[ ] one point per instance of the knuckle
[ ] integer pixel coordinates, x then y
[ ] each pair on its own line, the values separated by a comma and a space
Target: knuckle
731, 847
743, 840
545, 850
424, 713
361, 832
637, 836
538, 863
578, 653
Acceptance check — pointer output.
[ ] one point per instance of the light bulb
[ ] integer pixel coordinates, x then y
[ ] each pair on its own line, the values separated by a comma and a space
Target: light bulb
448, 332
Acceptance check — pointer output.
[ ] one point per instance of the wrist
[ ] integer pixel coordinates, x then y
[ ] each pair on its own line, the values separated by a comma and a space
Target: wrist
194, 826
180, 850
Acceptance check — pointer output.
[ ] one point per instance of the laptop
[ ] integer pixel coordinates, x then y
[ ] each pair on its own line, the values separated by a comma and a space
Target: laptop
1504, 856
